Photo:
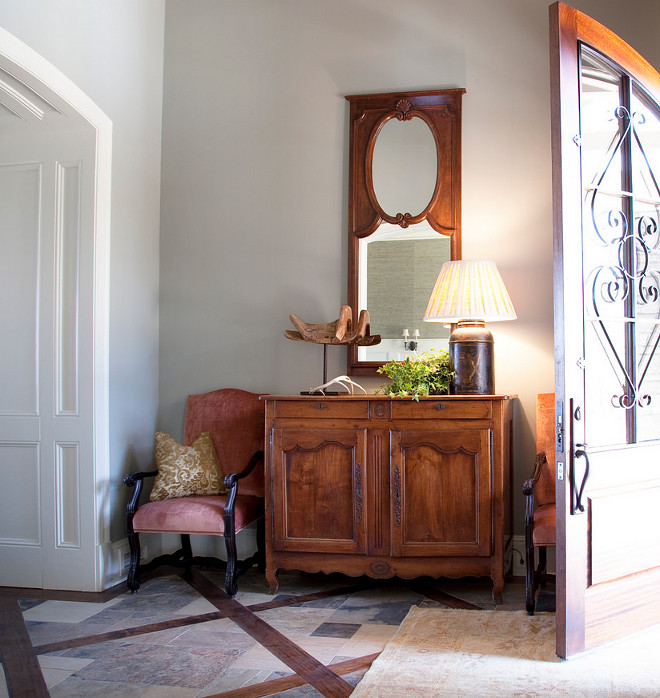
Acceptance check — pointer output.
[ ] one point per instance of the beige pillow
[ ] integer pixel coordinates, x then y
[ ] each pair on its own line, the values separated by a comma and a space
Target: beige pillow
186, 470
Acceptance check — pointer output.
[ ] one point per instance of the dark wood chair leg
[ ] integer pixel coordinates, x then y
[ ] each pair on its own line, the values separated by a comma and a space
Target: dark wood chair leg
530, 588
231, 587
542, 569
133, 578
186, 553
261, 544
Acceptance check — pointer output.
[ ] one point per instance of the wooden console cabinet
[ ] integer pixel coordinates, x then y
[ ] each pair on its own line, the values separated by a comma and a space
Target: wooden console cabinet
388, 487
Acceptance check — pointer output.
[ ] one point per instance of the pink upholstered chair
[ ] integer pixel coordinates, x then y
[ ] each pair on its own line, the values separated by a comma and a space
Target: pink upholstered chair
540, 511
235, 420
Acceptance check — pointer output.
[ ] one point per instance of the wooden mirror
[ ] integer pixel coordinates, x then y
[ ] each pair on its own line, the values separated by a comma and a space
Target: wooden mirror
404, 210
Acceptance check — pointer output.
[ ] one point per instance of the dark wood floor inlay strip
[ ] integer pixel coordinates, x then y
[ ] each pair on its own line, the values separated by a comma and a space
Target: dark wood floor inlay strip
314, 672
269, 688
127, 632
22, 670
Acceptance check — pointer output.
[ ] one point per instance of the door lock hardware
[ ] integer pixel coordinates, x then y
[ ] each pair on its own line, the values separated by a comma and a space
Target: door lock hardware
559, 427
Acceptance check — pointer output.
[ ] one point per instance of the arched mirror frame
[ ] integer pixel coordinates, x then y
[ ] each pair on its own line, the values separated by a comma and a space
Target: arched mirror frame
441, 111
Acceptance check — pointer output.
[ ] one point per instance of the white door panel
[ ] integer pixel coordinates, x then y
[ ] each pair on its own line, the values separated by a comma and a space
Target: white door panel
48, 530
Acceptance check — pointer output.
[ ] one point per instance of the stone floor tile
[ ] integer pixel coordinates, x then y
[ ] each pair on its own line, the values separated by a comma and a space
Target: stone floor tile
75, 687
258, 658
232, 679
388, 613
196, 608
56, 661
297, 620
66, 611
375, 631
44, 633
190, 667
249, 597
321, 648
337, 629
201, 636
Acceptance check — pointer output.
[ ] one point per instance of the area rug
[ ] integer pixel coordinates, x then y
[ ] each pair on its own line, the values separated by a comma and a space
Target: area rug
438, 652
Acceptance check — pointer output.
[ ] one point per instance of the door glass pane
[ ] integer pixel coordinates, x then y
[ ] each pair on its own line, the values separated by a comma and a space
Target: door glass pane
620, 152
605, 232
645, 152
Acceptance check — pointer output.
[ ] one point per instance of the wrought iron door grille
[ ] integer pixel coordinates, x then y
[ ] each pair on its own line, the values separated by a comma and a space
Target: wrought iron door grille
620, 145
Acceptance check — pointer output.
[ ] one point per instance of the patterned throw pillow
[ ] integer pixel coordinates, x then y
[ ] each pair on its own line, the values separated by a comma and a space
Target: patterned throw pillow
186, 470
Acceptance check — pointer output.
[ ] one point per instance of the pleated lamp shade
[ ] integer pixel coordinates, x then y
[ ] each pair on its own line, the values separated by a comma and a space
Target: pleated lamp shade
469, 289
470, 293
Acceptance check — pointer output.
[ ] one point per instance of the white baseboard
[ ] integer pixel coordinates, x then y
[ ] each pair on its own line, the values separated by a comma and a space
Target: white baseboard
515, 557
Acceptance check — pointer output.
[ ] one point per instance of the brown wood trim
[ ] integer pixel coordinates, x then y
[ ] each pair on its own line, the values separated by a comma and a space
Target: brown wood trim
309, 668
21, 666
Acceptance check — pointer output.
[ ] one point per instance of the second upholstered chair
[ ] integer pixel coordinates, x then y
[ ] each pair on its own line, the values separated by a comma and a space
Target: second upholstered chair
540, 509
227, 422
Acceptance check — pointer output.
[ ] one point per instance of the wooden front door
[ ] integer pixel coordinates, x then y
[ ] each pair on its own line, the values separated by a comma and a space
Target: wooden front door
606, 175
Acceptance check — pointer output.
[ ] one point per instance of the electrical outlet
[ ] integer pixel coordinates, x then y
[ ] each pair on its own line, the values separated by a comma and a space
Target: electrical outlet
517, 555
124, 555
518, 565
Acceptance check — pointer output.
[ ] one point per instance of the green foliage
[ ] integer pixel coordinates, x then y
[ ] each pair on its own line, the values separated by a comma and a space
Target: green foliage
424, 374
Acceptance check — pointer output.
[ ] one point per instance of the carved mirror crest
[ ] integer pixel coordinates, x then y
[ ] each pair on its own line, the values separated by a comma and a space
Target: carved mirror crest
404, 211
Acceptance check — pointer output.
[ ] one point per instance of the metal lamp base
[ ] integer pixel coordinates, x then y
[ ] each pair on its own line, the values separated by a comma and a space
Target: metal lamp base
471, 355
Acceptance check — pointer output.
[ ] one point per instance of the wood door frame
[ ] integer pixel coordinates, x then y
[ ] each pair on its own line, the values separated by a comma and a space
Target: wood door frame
568, 28
36, 71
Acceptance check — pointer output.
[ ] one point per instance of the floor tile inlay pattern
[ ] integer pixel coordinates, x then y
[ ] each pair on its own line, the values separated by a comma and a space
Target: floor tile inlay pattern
184, 638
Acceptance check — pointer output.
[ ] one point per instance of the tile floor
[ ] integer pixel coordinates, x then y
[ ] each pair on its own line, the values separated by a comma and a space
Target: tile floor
229, 650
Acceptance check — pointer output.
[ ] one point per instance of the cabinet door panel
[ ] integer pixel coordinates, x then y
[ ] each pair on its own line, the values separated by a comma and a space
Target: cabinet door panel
441, 493
318, 484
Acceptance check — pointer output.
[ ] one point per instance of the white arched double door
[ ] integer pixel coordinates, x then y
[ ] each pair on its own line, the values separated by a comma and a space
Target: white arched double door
54, 157
606, 174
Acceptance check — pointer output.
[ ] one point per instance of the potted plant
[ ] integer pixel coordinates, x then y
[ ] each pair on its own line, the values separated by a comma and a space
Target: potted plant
424, 374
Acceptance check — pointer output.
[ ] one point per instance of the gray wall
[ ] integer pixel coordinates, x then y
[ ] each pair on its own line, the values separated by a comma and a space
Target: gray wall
253, 197
255, 175
113, 51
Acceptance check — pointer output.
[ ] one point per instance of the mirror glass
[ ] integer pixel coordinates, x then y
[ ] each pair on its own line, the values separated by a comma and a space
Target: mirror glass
397, 271
405, 166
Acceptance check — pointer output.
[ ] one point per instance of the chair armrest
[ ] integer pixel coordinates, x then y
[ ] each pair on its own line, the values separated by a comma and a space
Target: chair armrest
135, 480
529, 485
231, 483
528, 488
231, 480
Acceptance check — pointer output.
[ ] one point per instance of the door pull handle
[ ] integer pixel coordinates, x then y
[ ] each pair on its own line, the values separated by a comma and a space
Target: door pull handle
578, 508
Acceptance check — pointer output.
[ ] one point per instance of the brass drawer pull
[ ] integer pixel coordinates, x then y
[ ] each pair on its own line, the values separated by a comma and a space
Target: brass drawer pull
320, 406
440, 406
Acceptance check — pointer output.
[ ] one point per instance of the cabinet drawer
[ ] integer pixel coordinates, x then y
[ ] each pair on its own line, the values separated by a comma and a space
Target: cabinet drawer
442, 409
321, 409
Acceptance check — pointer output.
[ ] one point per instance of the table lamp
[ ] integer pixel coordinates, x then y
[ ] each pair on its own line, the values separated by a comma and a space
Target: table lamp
470, 293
